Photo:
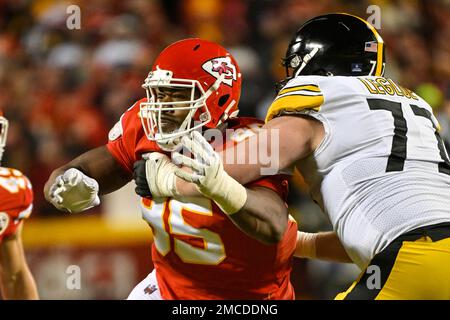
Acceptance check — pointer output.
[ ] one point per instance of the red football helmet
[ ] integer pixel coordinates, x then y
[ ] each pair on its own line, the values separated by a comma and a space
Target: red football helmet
3, 133
209, 71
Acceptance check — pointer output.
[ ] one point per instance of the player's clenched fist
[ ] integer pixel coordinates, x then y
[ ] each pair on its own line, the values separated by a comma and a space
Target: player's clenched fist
154, 176
73, 191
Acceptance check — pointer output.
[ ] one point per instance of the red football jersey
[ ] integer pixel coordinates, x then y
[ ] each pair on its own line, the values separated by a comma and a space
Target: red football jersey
16, 200
198, 252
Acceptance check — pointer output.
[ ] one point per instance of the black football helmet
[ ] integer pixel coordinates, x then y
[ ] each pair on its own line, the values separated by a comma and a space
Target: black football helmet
337, 44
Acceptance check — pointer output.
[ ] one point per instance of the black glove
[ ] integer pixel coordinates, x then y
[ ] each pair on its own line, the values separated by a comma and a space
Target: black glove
140, 178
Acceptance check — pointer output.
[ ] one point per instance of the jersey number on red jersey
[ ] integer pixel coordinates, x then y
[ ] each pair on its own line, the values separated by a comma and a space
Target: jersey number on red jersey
172, 232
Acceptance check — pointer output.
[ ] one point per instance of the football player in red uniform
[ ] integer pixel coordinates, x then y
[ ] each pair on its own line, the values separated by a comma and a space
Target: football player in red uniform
204, 248
16, 203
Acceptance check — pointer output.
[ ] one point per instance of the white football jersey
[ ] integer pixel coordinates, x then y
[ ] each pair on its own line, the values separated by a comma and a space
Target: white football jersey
382, 168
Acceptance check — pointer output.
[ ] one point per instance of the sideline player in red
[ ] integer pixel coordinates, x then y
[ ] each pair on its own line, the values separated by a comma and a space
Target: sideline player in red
16, 198
202, 249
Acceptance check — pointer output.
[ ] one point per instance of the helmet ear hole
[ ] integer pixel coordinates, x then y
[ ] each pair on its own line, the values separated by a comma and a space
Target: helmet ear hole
223, 99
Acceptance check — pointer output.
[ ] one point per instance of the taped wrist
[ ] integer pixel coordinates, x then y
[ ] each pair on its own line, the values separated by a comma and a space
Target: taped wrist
226, 192
307, 243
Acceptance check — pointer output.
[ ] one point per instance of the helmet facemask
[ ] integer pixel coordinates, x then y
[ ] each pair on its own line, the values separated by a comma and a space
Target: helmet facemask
153, 112
294, 64
3, 134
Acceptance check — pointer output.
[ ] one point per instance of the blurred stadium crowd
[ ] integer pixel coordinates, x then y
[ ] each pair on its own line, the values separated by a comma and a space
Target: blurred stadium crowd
63, 89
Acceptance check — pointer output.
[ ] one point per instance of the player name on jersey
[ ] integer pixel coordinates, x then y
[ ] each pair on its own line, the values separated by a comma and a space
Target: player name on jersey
386, 86
379, 137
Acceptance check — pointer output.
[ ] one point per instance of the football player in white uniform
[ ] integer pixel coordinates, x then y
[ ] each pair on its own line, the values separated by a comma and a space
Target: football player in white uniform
371, 153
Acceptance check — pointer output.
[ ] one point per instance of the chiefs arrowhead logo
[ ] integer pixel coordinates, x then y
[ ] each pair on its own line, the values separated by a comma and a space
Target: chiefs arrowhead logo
221, 66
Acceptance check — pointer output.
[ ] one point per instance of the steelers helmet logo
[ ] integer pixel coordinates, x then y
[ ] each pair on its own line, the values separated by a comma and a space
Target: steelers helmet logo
4, 222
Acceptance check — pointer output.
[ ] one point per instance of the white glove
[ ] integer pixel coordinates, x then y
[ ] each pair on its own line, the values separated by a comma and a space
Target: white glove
160, 173
73, 191
209, 175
